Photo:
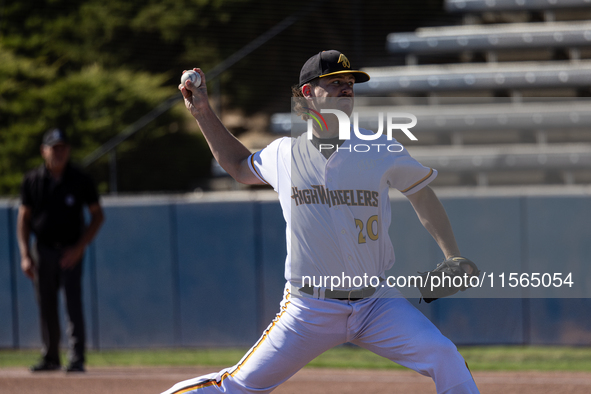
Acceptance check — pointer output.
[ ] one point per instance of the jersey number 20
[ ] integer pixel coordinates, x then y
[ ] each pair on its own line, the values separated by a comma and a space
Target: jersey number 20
373, 235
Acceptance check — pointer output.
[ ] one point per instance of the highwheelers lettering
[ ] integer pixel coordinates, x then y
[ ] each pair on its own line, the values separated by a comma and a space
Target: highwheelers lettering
321, 195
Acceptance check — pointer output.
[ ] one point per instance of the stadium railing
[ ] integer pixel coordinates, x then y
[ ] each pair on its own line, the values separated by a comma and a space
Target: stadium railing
482, 38
468, 77
543, 115
464, 6
505, 157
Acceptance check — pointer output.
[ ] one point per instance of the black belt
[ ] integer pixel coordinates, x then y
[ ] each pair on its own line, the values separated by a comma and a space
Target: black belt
349, 295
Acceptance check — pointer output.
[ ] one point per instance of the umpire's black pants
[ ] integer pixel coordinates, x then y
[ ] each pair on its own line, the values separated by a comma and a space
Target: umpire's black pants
50, 277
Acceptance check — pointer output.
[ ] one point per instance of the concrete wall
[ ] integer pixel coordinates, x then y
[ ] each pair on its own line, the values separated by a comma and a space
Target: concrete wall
176, 271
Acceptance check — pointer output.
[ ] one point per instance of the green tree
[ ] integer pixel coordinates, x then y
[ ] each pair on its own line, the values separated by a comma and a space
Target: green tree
97, 66
92, 105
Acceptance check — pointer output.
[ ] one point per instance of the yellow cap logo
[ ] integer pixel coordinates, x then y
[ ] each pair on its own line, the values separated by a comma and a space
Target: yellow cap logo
345, 61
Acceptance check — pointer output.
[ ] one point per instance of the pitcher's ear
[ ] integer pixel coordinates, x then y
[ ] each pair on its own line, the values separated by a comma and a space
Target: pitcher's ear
306, 90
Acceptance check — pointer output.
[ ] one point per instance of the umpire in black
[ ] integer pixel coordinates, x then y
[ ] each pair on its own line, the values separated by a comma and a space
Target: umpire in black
53, 197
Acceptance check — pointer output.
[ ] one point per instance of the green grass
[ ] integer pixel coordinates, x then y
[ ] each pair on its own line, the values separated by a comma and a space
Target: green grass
126, 358
522, 358
481, 358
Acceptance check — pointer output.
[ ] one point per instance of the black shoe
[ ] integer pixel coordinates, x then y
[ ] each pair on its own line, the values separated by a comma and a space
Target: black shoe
76, 367
44, 365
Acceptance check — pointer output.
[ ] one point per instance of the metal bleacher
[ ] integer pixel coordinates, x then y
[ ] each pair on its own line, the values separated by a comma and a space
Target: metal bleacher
464, 77
497, 102
490, 39
465, 6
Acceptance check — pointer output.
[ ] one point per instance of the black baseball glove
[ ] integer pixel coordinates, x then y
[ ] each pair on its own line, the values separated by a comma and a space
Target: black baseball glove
440, 282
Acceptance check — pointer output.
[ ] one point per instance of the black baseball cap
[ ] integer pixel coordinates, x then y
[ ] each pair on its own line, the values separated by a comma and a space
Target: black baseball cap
328, 63
55, 136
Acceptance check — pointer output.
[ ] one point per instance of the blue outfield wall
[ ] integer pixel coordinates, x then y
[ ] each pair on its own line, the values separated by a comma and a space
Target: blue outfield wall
134, 276
7, 279
184, 272
559, 235
217, 273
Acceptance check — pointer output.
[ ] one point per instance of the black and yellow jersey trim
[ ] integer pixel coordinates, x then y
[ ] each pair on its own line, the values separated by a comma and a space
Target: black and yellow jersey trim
419, 182
254, 169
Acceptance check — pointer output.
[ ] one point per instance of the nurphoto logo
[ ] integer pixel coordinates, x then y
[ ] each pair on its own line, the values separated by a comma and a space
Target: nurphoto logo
345, 128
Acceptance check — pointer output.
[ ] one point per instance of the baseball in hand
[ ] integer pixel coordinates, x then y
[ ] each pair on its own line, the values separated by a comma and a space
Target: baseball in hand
193, 76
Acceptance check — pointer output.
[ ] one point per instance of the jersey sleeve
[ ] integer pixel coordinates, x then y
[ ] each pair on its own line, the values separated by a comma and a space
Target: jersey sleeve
264, 163
409, 176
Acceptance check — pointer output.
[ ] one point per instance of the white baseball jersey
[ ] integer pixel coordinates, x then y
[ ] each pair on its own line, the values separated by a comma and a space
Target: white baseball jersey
338, 210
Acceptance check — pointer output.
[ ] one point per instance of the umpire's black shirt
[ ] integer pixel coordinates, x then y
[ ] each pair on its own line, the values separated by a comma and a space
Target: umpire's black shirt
57, 205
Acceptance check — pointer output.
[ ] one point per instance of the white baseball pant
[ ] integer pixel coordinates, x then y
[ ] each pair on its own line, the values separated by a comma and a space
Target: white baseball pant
306, 327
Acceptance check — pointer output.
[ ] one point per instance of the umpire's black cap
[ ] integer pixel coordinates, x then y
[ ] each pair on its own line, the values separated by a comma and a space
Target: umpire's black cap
55, 136
328, 63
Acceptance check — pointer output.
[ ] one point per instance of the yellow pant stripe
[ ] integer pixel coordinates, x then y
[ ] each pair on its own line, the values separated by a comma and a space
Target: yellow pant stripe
235, 371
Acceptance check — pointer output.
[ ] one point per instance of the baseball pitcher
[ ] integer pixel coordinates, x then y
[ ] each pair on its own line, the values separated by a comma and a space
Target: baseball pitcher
337, 217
